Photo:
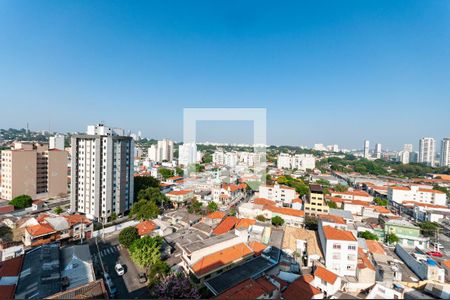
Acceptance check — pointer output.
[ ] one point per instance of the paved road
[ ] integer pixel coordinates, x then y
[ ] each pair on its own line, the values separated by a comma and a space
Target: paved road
109, 253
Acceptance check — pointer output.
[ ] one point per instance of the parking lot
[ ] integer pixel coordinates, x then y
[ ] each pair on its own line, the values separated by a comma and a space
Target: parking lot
105, 256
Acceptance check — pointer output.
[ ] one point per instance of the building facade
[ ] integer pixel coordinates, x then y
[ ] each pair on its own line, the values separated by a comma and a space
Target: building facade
427, 151
164, 150
32, 169
445, 152
102, 172
187, 154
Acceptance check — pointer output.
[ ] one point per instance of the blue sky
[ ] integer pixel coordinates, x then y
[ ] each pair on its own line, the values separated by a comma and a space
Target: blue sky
327, 71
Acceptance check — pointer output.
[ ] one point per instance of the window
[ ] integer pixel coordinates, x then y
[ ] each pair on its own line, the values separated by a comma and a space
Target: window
336, 246
351, 247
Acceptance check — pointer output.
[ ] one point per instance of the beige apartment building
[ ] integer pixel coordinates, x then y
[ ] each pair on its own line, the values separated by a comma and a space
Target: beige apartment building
315, 203
33, 169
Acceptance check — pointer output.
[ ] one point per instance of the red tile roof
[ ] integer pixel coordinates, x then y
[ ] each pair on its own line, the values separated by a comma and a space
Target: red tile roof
11, 267
332, 219
297, 200
257, 247
178, 193
332, 233
353, 193
226, 225
77, 219
301, 289
145, 227
248, 289
375, 247
221, 258
285, 211
400, 188
446, 263
431, 191
40, 229
412, 203
216, 215
263, 201
380, 209
326, 275
357, 202
245, 223
363, 261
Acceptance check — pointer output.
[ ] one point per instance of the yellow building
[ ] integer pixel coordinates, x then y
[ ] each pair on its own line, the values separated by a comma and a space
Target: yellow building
315, 203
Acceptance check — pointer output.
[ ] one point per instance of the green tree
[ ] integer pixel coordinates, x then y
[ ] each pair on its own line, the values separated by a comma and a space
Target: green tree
428, 228
195, 206
311, 222
381, 202
261, 218
21, 201
392, 238
166, 173
332, 204
340, 188
157, 271
146, 251
58, 210
232, 211
369, 235
127, 236
277, 221
144, 182
212, 206
179, 171
113, 217
153, 194
144, 210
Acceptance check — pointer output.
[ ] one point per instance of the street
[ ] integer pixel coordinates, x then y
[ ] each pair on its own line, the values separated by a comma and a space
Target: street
110, 252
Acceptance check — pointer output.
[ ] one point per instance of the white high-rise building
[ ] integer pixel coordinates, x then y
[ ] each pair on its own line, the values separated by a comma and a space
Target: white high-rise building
408, 147
366, 149
445, 152
378, 150
151, 153
187, 154
231, 159
218, 157
427, 151
102, 172
303, 162
284, 161
164, 151
404, 157
56, 142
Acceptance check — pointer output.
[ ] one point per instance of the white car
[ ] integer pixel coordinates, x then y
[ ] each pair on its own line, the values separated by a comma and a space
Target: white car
437, 246
119, 269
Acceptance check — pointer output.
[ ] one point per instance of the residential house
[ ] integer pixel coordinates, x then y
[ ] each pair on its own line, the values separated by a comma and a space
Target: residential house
180, 197
409, 235
340, 249
353, 195
261, 288
326, 281
282, 195
423, 194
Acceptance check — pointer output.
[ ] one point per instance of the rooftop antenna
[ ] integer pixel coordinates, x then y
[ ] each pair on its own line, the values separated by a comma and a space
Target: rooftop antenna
28, 130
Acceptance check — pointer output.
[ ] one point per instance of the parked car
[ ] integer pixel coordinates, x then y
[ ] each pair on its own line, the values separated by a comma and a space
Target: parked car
142, 278
434, 253
119, 269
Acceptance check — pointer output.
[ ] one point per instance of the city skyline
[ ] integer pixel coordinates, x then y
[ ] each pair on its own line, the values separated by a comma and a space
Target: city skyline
333, 75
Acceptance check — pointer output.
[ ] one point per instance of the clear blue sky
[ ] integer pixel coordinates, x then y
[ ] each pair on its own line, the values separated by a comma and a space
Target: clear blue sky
327, 71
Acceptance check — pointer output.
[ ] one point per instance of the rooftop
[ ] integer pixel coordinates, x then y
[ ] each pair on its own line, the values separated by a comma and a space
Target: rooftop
325, 274
248, 289
332, 233
332, 218
238, 274
226, 225
221, 258
195, 246
145, 227
301, 288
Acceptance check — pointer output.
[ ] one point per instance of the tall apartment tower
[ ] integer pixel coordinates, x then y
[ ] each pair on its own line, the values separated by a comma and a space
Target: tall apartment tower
102, 172
445, 152
151, 153
164, 150
34, 170
427, 151
408, 147
378, 150
187, 154
366, 149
